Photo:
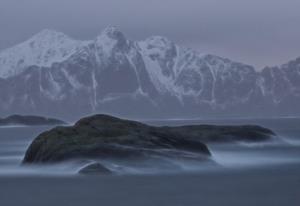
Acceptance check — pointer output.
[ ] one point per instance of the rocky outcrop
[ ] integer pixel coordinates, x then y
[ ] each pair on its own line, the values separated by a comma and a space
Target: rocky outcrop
107, 137
29, 121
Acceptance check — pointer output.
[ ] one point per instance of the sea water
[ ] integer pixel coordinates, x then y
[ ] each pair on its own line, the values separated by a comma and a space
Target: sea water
15, 140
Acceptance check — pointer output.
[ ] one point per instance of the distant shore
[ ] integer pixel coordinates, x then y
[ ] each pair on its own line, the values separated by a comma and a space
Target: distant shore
29, 120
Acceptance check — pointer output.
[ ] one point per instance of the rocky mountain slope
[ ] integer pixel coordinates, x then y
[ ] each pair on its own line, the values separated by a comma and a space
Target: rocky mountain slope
52, 74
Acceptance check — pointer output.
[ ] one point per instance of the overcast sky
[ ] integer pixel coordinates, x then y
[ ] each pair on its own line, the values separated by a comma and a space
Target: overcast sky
257, 32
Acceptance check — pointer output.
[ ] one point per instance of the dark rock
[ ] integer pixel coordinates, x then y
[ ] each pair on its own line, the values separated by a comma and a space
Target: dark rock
103, 136
214, 133
29, 121
95, 169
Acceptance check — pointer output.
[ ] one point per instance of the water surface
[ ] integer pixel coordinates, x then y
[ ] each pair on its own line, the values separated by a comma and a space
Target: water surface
246, 174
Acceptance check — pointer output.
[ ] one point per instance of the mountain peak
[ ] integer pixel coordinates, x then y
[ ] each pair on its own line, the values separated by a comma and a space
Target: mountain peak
43, 49
49, 34
111, 38
111, 29
111, 72
159, 41
112, 33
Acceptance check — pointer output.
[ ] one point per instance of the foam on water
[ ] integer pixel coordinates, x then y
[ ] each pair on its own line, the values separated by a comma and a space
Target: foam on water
237, 156
292, 141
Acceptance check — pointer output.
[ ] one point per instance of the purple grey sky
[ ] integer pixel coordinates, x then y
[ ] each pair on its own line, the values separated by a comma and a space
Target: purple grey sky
257, 32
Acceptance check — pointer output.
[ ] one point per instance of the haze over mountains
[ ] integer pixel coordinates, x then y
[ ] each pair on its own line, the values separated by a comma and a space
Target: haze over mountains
52, 74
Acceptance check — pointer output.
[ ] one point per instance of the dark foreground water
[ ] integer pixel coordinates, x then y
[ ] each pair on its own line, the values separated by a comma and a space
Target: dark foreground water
255, 174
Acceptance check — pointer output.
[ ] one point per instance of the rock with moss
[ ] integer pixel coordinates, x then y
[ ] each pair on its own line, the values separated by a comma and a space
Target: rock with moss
107, 137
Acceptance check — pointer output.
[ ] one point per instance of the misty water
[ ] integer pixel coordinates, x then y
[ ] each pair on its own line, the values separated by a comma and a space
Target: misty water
272, 167
15, 140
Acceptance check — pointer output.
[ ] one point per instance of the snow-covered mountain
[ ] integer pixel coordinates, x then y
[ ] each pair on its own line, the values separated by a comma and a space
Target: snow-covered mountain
43, 49
53, 74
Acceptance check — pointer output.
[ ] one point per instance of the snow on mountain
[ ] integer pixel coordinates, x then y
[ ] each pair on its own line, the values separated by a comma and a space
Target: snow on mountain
43, 49
55, 75
160, 55
110, 39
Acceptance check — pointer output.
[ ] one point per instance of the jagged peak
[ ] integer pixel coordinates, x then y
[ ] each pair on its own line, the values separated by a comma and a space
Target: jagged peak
111, 38
112, 33
49, 32
159, 41
111, 30
42, 49
294, 62
50, 36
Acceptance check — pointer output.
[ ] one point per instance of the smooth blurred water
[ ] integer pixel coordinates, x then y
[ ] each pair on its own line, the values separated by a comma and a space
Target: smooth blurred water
14, 142
246, 174
285, 151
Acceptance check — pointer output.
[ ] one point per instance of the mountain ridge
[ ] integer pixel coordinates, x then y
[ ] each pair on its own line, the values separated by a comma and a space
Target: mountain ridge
156, 77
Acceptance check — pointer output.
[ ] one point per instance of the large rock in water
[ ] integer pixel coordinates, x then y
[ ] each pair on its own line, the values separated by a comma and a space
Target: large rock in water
103, 136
